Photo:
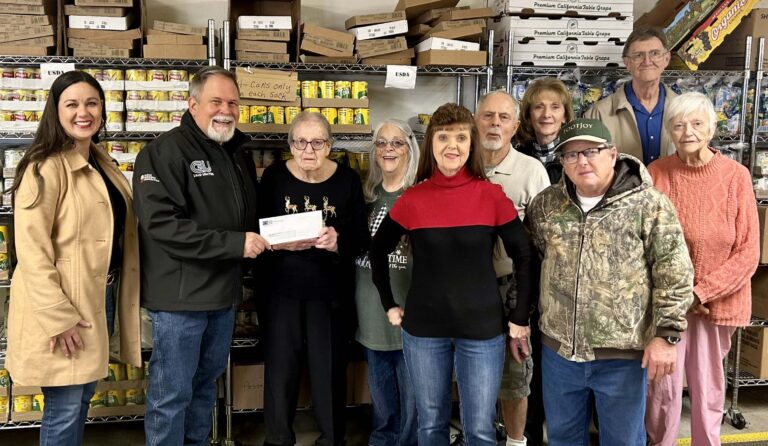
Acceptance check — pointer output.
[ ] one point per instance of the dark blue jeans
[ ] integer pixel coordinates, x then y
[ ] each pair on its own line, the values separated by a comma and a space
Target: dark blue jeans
394, 405
64, 413
189, 352
619, 389
478, 365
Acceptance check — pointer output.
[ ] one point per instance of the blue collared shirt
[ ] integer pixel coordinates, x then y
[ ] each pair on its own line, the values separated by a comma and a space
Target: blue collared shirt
648, 124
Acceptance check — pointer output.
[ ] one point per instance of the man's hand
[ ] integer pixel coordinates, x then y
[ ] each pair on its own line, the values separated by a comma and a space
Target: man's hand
254, 245
70, 340
519, 349
300, 245
660, 358
395, 315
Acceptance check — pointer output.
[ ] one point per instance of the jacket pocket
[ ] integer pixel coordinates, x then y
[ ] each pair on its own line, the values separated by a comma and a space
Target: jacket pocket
64, 268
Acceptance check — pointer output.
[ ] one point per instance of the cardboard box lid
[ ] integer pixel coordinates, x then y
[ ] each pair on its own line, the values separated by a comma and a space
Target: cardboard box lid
335, 40
25, 20
14, 50
308, 45
462, 32
279, 35
196, 52
174, 39
450, 24
373, 19
264, 22
308, 58
10, 8
262, 57
465, 14
9, 35
274, 85
47, 41
381, 30
445, 57
414, 8
180, 28
112, 44
101, 52
103, 11
261, 47
100, 23
378, 47
123, 3
434, 14
438, 43
97, 34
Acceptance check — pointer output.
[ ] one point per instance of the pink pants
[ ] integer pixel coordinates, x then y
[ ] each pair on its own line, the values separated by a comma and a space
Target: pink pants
700, 356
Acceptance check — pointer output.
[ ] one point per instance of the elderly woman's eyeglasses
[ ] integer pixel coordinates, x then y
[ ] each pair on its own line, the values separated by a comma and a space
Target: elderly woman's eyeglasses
316, 144
654, 55
395, 144
590, 153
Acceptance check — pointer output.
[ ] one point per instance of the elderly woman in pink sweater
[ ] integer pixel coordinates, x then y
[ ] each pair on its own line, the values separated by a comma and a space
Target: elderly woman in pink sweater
717, 209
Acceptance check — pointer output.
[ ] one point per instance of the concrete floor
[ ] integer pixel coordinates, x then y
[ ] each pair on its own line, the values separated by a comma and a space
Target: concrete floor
249, 430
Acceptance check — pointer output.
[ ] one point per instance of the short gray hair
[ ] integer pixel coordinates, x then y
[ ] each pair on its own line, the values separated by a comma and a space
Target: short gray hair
515, 104
687, 103
201, 77
305, 117
375, 175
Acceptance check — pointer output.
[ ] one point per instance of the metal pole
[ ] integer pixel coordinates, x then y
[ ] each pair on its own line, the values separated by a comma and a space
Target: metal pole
489, 76
211, 42
745, 88
225, 54
228, 441
756, 109
458, 89
509, 61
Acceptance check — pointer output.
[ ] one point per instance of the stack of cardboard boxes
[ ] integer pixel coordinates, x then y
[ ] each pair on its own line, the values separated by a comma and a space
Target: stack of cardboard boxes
731, 53
263, 38
28, 27
575, 33
323, 45
451, 30
381, 38
103, 28
168, 40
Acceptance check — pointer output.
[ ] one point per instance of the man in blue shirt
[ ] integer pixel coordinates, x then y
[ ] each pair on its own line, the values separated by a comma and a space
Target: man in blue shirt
634, 113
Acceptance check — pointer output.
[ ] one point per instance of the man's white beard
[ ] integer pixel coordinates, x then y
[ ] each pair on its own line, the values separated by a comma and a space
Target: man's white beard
220, 136
492, 145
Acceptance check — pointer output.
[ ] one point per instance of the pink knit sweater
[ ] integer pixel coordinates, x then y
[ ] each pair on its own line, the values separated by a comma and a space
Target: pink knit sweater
718, 213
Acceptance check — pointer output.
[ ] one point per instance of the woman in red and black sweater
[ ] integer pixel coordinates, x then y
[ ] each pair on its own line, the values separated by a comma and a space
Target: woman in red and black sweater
454, 316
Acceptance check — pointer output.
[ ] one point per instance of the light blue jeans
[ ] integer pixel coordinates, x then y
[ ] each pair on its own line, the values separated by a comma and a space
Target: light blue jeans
189, 352
478, 365
394, 405
66, 408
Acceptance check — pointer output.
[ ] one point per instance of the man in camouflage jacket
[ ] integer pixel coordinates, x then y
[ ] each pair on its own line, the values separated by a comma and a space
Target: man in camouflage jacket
616, 283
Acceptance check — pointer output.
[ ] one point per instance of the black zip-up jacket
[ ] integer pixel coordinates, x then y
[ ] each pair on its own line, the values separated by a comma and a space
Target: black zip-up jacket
194, 199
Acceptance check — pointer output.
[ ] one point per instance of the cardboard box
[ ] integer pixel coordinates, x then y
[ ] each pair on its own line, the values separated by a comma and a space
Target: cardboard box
713, 31
335, 40
677, 17
418, 30
47, 41
437, 43
462, 32
180, 28
106, 53
177, 39
433, 14
754, 353
103, 23
760, 292
93, 34
26, 2
415, 8
273, 85
334, 103
754, 24
307, 58
309, 45
381, 30
122, 3
566, 54
595, 8
451, 24
262, 57
264, 22
542, 28
248, 386
379, 47
719, 60
194, 52
448, 57
762, 213
374, 19
25, 20
113, 44
260, 47
10, 8
291, 8
95, 11
385, 60
16, 50
437, 16
10, 34
279, 35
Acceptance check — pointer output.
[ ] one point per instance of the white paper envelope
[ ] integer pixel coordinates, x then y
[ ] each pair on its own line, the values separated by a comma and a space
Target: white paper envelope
291, 227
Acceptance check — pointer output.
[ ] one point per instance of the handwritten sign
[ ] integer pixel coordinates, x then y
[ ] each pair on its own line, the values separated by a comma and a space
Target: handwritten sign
273, 85
401, 76
50, 71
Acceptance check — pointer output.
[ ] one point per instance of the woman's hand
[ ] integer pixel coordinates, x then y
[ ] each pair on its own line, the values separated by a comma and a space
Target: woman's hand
519, 331
300, 245
70, 340
328, 239
395, 315
698, 308
518, 342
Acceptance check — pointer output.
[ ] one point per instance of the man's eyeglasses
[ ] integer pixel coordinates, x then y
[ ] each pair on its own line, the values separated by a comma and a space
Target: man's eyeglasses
316, 144
590, 153
395, 144
654, 55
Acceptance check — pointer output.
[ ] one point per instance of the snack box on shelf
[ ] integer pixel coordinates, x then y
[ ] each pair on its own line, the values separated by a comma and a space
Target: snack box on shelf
599, 8
581, 28
601, 54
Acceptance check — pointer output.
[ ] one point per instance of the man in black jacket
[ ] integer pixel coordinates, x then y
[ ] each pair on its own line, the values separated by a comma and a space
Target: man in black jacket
195, 198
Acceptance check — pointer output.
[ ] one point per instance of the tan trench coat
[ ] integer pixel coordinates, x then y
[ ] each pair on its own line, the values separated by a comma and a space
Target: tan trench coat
63, 244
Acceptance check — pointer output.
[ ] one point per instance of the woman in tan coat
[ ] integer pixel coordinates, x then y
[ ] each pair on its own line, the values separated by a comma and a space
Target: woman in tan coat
77, 273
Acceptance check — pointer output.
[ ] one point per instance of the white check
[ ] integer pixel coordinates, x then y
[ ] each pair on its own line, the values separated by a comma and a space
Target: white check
291, 227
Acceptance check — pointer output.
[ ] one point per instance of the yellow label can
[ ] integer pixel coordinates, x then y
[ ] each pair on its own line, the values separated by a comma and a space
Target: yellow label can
361, 116
178, 95
312, 110
116, 147
113, 116
136, 75
5, 267
157, 95
346, 116
136, 95
359, 89
290, 113
276, 114
158, 116
178, 75
133, 373
344, 89
6, 72
258, 114
6, 116
38, 403
3, 405
30, 116
24, 95
22, 403
99, 399
41, 95
5, 377
115, 398
113, 96
298, 89
326, 89
134, 397
96, 73
22, 73
135, 147
330, 114
157, 75
5, 95
309, 89
175, 116
114, 74
245, 114
116, 372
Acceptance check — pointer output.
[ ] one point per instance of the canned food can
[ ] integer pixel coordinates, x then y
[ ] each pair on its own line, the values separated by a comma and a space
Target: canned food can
136, 95
361, 116
116, 147
30, 116
135, 147
135, 116
258, 114
3, 405
115, 398
179, 95
424, 118
38, 402
134, 397
178, 75
276, 114
5, 267
133, 373
23, 95
298, 89
22, 73
12, 157
5, 94
96, 73
113, 116
114, 74
125, 167
20, 116
99, 399
308, 89
157, 75
116, 372
35, 73
326, 89
22, 403
113, 96
6, 116
136, 75
39, 115
290, 113
175, 116
157, 95
331, 115
245, 114
41, 95
5, 377
343, 89
158, 116
312, 110
6, 72
346, 116
359, 89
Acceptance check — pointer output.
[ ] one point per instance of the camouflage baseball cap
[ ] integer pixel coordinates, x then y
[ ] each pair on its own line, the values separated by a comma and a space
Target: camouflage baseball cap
584, 130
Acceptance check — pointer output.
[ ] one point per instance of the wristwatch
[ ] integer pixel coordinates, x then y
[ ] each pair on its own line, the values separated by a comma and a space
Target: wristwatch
672, 339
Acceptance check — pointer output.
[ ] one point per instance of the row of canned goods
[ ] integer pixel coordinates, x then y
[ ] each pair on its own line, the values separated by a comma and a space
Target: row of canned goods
23, 95
19, 73
276, 114
145, 116
332, 89
123, 146
138, 75
20, 115
156, 95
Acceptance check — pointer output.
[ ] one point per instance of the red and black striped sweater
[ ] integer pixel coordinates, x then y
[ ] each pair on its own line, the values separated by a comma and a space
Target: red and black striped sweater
453, 223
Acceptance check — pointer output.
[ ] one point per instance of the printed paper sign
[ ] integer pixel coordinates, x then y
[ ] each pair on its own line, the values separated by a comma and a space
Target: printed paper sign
401, 76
